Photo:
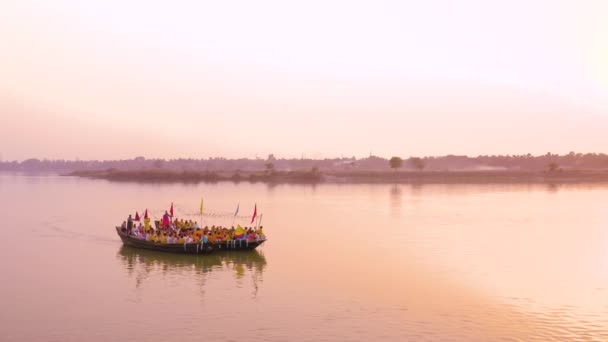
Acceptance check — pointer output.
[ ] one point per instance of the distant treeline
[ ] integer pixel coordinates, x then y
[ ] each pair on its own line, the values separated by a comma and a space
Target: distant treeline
528, 162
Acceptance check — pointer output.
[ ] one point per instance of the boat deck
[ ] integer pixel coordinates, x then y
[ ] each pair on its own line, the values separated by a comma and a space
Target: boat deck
188, 248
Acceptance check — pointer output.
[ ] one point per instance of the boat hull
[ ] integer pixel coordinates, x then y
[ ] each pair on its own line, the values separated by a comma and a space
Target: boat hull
188, 248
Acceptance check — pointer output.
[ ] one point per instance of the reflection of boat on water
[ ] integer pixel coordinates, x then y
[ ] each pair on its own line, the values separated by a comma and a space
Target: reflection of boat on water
189, 248
144, 263
251, 259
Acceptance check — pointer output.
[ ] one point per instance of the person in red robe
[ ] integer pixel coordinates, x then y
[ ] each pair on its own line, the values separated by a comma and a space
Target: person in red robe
166, 220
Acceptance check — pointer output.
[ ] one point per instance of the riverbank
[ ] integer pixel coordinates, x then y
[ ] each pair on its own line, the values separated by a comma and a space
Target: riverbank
437, 177
168, 176
472, 177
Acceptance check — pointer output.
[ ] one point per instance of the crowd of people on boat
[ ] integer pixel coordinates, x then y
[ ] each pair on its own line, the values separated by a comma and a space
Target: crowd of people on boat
180, 231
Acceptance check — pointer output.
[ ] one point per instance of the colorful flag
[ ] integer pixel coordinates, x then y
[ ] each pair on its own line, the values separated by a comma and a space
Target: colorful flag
255, 213
239, 231
146, 214
136, 216
171, 210
201, 206
237, 210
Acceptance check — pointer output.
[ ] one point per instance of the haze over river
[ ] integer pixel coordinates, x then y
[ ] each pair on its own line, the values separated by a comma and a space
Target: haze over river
343, 262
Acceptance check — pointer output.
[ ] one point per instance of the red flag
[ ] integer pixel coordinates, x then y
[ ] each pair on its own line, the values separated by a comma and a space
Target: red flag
136, 216
146, 214
255, 213
171, 210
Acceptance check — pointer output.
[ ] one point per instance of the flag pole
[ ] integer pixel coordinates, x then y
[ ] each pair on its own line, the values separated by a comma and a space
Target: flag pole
201, 213
235, 213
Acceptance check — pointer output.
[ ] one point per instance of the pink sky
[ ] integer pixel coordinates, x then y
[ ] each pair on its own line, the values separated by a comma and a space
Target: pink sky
113, 79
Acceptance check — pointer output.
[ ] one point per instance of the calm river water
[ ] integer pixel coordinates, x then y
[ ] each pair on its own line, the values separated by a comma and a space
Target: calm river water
342, 263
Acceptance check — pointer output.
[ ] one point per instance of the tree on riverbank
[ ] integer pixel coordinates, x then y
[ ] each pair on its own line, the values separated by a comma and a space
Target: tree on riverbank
269, 168
553, 166
417, 163
395, 163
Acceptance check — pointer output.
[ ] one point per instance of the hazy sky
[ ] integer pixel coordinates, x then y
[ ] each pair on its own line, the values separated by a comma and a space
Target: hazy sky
118, 79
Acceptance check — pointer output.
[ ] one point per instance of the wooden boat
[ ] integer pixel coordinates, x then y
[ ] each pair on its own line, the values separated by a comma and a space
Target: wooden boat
188, 248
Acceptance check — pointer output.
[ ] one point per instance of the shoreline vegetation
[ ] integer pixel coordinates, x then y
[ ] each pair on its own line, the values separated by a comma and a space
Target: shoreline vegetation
525, 168
314, 176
